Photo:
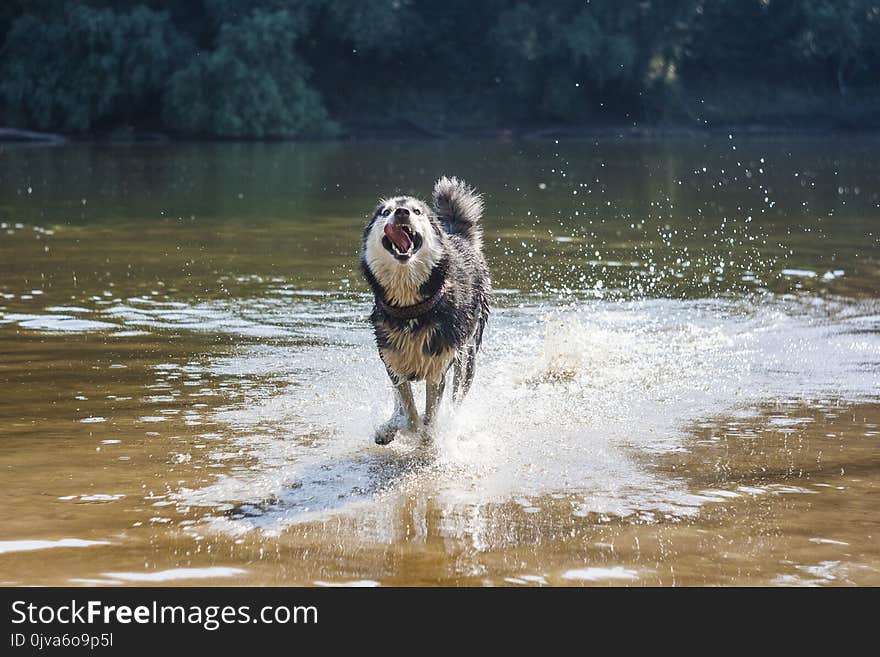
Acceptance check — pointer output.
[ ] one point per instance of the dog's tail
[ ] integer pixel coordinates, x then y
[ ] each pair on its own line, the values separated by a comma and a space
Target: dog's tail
459, 207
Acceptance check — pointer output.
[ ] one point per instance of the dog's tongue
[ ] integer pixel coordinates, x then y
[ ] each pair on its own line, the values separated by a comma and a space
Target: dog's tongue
398, 236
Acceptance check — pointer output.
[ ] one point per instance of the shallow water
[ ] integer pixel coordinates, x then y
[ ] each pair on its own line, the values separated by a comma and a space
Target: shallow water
679, 383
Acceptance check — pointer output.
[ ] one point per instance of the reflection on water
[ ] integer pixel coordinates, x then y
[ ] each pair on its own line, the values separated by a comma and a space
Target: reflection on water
679, 385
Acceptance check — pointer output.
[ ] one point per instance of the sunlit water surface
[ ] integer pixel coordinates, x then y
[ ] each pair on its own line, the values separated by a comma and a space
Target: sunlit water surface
679, 384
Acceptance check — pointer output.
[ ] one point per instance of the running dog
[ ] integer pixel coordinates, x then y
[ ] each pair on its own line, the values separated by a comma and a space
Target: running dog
431, 291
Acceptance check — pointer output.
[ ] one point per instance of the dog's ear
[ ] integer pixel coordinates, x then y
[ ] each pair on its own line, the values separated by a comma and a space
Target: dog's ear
379, 207
376, 211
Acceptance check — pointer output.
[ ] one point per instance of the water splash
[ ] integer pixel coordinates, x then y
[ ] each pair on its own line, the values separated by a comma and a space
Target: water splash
570, 402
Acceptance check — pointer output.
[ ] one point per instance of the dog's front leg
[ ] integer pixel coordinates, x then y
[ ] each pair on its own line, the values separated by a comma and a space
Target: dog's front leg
433, 397
405, 418
408, 404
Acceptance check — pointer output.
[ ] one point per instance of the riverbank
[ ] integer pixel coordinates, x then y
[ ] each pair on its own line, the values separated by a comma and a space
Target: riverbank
407, 131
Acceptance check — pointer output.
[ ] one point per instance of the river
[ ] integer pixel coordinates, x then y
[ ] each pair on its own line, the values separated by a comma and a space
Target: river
679, 383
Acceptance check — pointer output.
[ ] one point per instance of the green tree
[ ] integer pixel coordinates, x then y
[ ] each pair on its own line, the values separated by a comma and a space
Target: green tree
562, 58
840, 33
288, 68
254, 83
71, 69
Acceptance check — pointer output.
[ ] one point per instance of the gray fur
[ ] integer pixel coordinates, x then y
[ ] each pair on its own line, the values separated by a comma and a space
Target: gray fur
449, 271
459, 207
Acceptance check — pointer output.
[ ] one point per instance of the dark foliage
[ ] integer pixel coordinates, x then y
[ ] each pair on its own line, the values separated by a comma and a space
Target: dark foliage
279, 68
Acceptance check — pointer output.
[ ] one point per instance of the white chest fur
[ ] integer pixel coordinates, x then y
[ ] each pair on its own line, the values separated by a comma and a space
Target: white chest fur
407, 355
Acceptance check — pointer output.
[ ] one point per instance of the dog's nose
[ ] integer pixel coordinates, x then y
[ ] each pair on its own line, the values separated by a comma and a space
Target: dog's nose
401, 213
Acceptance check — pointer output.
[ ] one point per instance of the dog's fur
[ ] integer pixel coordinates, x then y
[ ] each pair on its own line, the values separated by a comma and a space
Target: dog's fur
431, 299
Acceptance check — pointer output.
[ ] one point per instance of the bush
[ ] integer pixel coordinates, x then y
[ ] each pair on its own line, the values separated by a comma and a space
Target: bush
254, 83
71, 70
570, 59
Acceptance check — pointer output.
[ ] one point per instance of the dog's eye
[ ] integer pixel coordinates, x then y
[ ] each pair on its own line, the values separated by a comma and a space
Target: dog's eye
386, 212
417, 211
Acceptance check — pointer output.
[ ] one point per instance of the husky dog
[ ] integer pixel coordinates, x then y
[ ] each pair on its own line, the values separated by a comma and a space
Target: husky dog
431, 287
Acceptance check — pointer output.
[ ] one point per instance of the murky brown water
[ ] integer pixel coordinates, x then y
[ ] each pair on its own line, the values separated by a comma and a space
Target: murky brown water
680, 383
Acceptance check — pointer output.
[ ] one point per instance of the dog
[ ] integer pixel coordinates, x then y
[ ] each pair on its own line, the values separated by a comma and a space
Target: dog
432, 292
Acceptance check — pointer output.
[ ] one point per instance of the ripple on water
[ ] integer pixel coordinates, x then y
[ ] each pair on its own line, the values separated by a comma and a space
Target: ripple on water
176, 574
359, 583
569, 399
28, 545
596, 574
58, 323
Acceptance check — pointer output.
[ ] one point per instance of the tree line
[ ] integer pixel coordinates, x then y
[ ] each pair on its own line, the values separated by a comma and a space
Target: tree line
303, 68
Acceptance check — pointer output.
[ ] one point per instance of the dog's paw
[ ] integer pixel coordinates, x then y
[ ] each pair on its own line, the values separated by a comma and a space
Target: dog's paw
397, 425
390, 430
385, 434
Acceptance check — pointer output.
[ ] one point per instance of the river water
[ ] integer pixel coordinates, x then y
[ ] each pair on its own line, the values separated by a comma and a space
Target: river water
679, 384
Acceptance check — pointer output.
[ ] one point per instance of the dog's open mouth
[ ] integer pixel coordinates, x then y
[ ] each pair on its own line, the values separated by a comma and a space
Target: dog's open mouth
401, 240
